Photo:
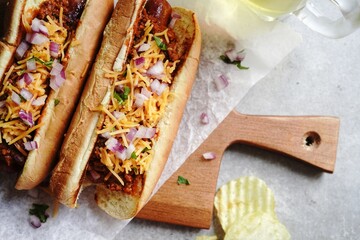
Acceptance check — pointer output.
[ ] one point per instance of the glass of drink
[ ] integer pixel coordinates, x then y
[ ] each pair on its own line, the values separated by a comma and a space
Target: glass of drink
349, 21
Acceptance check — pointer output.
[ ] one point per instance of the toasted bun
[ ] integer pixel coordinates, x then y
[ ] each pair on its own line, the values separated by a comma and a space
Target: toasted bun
6, 55
124, 206
66, 181
80, 139
55, 119
11, 30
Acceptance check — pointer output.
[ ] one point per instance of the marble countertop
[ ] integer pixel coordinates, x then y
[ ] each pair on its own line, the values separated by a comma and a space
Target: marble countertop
320, 77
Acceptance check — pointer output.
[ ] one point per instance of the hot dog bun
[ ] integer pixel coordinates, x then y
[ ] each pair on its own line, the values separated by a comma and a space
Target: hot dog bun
11, 30
6, 54
54, 119
68, 177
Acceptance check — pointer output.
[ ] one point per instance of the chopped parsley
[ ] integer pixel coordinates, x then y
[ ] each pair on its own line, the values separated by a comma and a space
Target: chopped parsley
182, 180
22, 99
133, 155
39, 210
160, 43
122, 96
235, 62
46, 64
136, 171
56, 102
145, 150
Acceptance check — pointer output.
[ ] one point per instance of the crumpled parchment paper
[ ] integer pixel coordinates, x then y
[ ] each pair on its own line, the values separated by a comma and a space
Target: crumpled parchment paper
225, 24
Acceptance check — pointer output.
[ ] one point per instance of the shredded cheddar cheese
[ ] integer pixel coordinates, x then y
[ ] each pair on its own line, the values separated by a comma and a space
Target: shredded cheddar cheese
134, 80
14, 85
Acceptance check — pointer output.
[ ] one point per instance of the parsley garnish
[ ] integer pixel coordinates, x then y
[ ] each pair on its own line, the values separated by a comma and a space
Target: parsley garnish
124, 95
182, 180
56, 102
136, 171
145, 149
22, 99
47, 63
39, 210
133, 155
160, 43
236, 62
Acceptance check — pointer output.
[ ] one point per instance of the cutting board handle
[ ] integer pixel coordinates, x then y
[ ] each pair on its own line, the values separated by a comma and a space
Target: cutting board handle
308, 138
312, 139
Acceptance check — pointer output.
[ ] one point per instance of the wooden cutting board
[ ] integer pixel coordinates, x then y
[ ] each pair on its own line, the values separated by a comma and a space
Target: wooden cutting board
312, 139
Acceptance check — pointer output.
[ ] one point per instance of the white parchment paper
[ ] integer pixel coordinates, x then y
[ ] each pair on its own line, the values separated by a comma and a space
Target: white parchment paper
225, 24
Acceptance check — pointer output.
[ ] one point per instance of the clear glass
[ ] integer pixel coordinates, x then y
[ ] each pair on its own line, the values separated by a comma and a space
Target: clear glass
270, 10
349, 21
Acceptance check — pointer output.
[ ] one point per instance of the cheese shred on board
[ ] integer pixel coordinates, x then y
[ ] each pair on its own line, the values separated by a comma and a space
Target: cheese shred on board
38, 68
139, 95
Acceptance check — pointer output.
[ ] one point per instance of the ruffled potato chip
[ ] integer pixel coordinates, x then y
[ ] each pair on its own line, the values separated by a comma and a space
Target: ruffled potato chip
204, 237
257, 226
241, 197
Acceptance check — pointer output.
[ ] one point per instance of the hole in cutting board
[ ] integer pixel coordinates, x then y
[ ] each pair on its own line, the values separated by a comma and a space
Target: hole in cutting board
312, 140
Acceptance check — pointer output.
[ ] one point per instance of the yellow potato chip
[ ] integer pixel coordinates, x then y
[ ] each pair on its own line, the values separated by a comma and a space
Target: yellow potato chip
242, 196
204, 237
257, 226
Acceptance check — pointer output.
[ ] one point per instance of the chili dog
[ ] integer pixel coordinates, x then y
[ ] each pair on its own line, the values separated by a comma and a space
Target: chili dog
122, 132
46, 49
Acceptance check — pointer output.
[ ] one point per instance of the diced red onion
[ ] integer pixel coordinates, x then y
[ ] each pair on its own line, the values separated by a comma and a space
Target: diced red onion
157, 70
38, 26
130, 136
15, 98
34, 221
129, 151
56, 68
21, 50
209, 155
28, 78
140, 99
2, 103
21, 82
139, 62
28, 37
145, 132
118, 115
144, 47
31, 65
32, 145
54, 49
114, 145
235, 55
121, 155
95, 175
221, 82
145, 92
26, 117
106, 135
204, 118
43, 29
35, 25
39, 101
119, 88
57, 80
26, 94
38, 39
34, 193
158, 87
174, 17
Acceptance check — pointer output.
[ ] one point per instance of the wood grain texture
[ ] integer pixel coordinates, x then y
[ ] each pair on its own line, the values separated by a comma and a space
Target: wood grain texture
312, 139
